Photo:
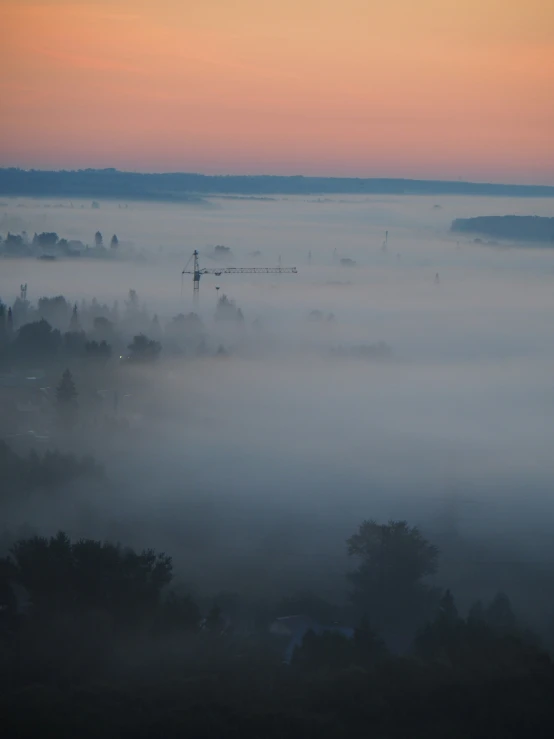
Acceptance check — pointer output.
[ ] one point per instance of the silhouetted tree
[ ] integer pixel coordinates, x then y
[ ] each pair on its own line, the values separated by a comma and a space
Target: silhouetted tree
103, 328
114, 243
448, 613
394, 560
55, 310
74, 324
3, 327
13, 243
143, 349
23, 474
222, 252
37, 339
443, 636
190, 322
329, 650
9, 324
66, 399
20, 310
500, 616
133, 299
66, 391
91, 574
475, 643
132, 304
98, 350
476, 613
214, 620
227, 310
98, 241
46, 239
369, 646
74, 342
155, 327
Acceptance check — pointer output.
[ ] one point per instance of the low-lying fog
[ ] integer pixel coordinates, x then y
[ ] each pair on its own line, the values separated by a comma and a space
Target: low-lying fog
262, 464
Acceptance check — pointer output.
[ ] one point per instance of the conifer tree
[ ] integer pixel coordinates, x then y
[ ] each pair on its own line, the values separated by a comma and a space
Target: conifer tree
74, 324
66, 398
66, 392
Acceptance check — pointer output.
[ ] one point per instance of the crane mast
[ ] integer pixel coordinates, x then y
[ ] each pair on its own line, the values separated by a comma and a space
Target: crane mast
197, 273
196, 277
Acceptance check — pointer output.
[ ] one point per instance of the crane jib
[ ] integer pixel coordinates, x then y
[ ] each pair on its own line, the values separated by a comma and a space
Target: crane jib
196, 272
249, 270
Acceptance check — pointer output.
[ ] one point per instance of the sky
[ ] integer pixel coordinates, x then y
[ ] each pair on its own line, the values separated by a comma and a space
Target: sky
431, 89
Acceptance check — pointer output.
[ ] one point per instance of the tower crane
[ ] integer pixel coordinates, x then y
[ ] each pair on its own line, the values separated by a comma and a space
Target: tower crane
197, 273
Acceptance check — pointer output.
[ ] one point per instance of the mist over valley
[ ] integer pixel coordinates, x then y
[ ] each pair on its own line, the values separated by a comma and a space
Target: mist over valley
403, 374
297, 423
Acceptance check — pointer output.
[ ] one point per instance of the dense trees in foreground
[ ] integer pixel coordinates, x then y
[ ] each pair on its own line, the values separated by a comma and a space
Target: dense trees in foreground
96, 640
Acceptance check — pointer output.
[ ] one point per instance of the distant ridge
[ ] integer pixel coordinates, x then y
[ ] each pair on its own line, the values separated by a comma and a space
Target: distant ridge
189, 187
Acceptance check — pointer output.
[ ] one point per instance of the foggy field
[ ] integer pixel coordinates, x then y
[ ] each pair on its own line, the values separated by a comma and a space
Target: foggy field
286, 446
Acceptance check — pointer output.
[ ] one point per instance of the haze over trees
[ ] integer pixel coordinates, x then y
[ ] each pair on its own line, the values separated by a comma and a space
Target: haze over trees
228, 311
48, 245
24, 474
143, 349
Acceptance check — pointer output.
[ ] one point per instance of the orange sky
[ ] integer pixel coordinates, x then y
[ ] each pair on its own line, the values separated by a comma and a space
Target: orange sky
435, 88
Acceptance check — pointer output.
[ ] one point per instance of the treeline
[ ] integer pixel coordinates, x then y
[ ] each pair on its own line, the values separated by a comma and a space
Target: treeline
56, 331
65, 367
50, 471
49, 245
514, 228
97, 640
111, 183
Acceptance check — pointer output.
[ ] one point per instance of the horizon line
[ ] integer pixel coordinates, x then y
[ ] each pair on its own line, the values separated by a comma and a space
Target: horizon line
276, 176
